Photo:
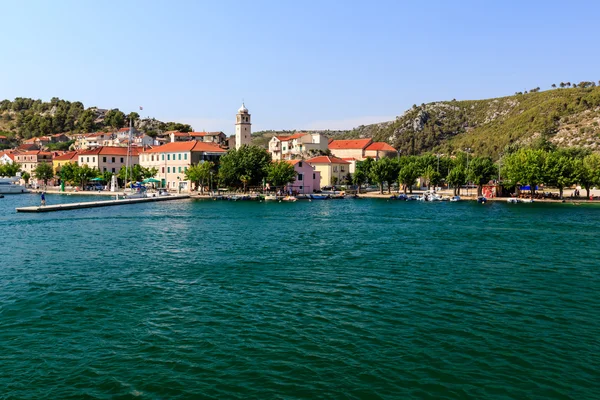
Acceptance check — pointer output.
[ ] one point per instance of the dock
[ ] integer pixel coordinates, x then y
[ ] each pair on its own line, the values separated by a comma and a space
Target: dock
94, 204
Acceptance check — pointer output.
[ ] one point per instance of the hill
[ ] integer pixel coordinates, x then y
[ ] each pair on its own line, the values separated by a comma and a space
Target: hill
24, 118
566, 117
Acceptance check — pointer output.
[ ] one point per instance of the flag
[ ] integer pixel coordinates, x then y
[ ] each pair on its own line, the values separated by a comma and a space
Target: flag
141, 108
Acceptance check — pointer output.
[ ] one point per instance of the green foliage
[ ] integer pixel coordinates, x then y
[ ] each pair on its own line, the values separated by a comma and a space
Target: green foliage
409, 173
587, 171
281, 173
384, 170
481, 170
200, 173
250, 162
9, 170
114, 118
83, 174
60, 146
525, 166
136, 173
44, 172
175, 126
456, 178
559, 170
26, 176
431, 176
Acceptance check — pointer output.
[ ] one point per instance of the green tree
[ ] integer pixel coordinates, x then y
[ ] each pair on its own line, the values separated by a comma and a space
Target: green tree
525, 166
431, 176
559, 171
68, 173
136, 173
83, 174
251, 161
10, 170
133, 116
85, 122
383, 171
363, 171
334, 180
200, 174
25, 176
115, 118
408, 175
456, 178
281, 173
44, 172
481, 171
587, 171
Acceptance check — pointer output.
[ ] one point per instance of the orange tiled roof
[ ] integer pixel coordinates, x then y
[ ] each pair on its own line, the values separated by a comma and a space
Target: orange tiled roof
186, 146
2, 137
349, 144
326, 160
110, 151
380, 146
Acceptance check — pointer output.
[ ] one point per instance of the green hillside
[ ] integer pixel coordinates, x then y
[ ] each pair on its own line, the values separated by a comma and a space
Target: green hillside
566, 117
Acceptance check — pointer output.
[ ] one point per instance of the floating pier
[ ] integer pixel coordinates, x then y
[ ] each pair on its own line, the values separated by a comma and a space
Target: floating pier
94, 204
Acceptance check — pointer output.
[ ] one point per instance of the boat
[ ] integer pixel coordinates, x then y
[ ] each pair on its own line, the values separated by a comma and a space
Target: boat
455, 198
270, 197
338, 196
289, 199
512, 200
10, 186
481, 200
526, 200
399, 197
320, 197
137, 191
431, 196
237, 197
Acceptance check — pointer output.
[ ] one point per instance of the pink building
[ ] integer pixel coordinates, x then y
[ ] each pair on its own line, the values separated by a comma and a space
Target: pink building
307, 179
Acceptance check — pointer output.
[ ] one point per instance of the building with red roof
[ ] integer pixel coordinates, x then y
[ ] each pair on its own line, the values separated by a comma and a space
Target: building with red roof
59, 160
29, 160
356, 150
308, 179
333, 170
108, 158
172, 160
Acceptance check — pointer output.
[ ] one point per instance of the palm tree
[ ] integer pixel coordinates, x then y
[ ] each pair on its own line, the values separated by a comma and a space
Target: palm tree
244, 179
554, 86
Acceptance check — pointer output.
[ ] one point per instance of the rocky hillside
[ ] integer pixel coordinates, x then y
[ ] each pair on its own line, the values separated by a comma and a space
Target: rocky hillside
566, 117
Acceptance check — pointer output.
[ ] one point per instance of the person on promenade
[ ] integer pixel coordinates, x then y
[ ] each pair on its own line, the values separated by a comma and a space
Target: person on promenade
43, 198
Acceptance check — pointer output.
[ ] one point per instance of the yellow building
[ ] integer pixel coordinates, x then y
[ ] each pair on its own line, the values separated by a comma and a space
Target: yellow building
59, 161
330, 167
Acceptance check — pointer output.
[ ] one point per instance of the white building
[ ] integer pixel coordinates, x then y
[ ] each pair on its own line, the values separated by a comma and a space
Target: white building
297, 146
243, 125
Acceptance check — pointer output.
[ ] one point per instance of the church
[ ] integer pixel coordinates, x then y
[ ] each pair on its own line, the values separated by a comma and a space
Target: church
243, 128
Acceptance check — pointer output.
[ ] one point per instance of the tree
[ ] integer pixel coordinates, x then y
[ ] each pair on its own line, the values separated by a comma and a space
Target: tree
457, 177
83, 174
10, 170
136, 173
44, 172
554, 86
587, 171
431, 176
200, 174
25, 176
68, 172
334, 180
526, 166
408, 175
132, 117
363, 170
115, 118
385, 170
558, 171
481, 171
281, 173
251, 161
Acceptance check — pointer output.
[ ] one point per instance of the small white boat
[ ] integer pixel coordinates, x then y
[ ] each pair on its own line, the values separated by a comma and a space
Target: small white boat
512, 200
270, 197
455, 198
10, 186
526, 200
289, 198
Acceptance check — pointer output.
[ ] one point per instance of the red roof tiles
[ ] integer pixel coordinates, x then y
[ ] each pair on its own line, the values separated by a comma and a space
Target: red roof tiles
380, 146
326, 160
186, 146
349, 144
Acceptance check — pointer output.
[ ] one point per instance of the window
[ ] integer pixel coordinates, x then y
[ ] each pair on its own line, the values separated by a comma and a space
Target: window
179, 170
113, 159
342, 169
335, 168
121, 160
300, 177
88, 159
179, 156
163, 170
113, 170
104, 169
169, 169
185, 168
104, 160
93, 159
314, 176
152, 157
300, 164
168, 157
163, 157
185, 156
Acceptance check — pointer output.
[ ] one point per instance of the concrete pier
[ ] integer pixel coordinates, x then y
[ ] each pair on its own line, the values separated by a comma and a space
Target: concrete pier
104, 203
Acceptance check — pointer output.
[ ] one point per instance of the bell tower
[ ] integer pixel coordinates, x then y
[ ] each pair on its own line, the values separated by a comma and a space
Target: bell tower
243, 127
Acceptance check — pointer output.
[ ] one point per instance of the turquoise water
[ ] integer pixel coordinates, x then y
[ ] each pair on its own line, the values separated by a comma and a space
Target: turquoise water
328, 299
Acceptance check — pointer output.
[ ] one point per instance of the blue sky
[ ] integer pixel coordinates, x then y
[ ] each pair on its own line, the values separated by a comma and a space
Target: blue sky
297, 65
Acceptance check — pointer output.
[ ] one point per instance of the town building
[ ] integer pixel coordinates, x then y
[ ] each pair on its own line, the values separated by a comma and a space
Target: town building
308, 179
209, 137
108, 158
3, 140
359, 149
59, 161
333, 170
297, 146
29, 160
173, 159
243, 127
7, 157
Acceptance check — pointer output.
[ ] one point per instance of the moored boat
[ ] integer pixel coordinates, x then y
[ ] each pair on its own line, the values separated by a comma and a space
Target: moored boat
319, 196
270, 197
455, 198
11, 186
481, 200
289, 199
